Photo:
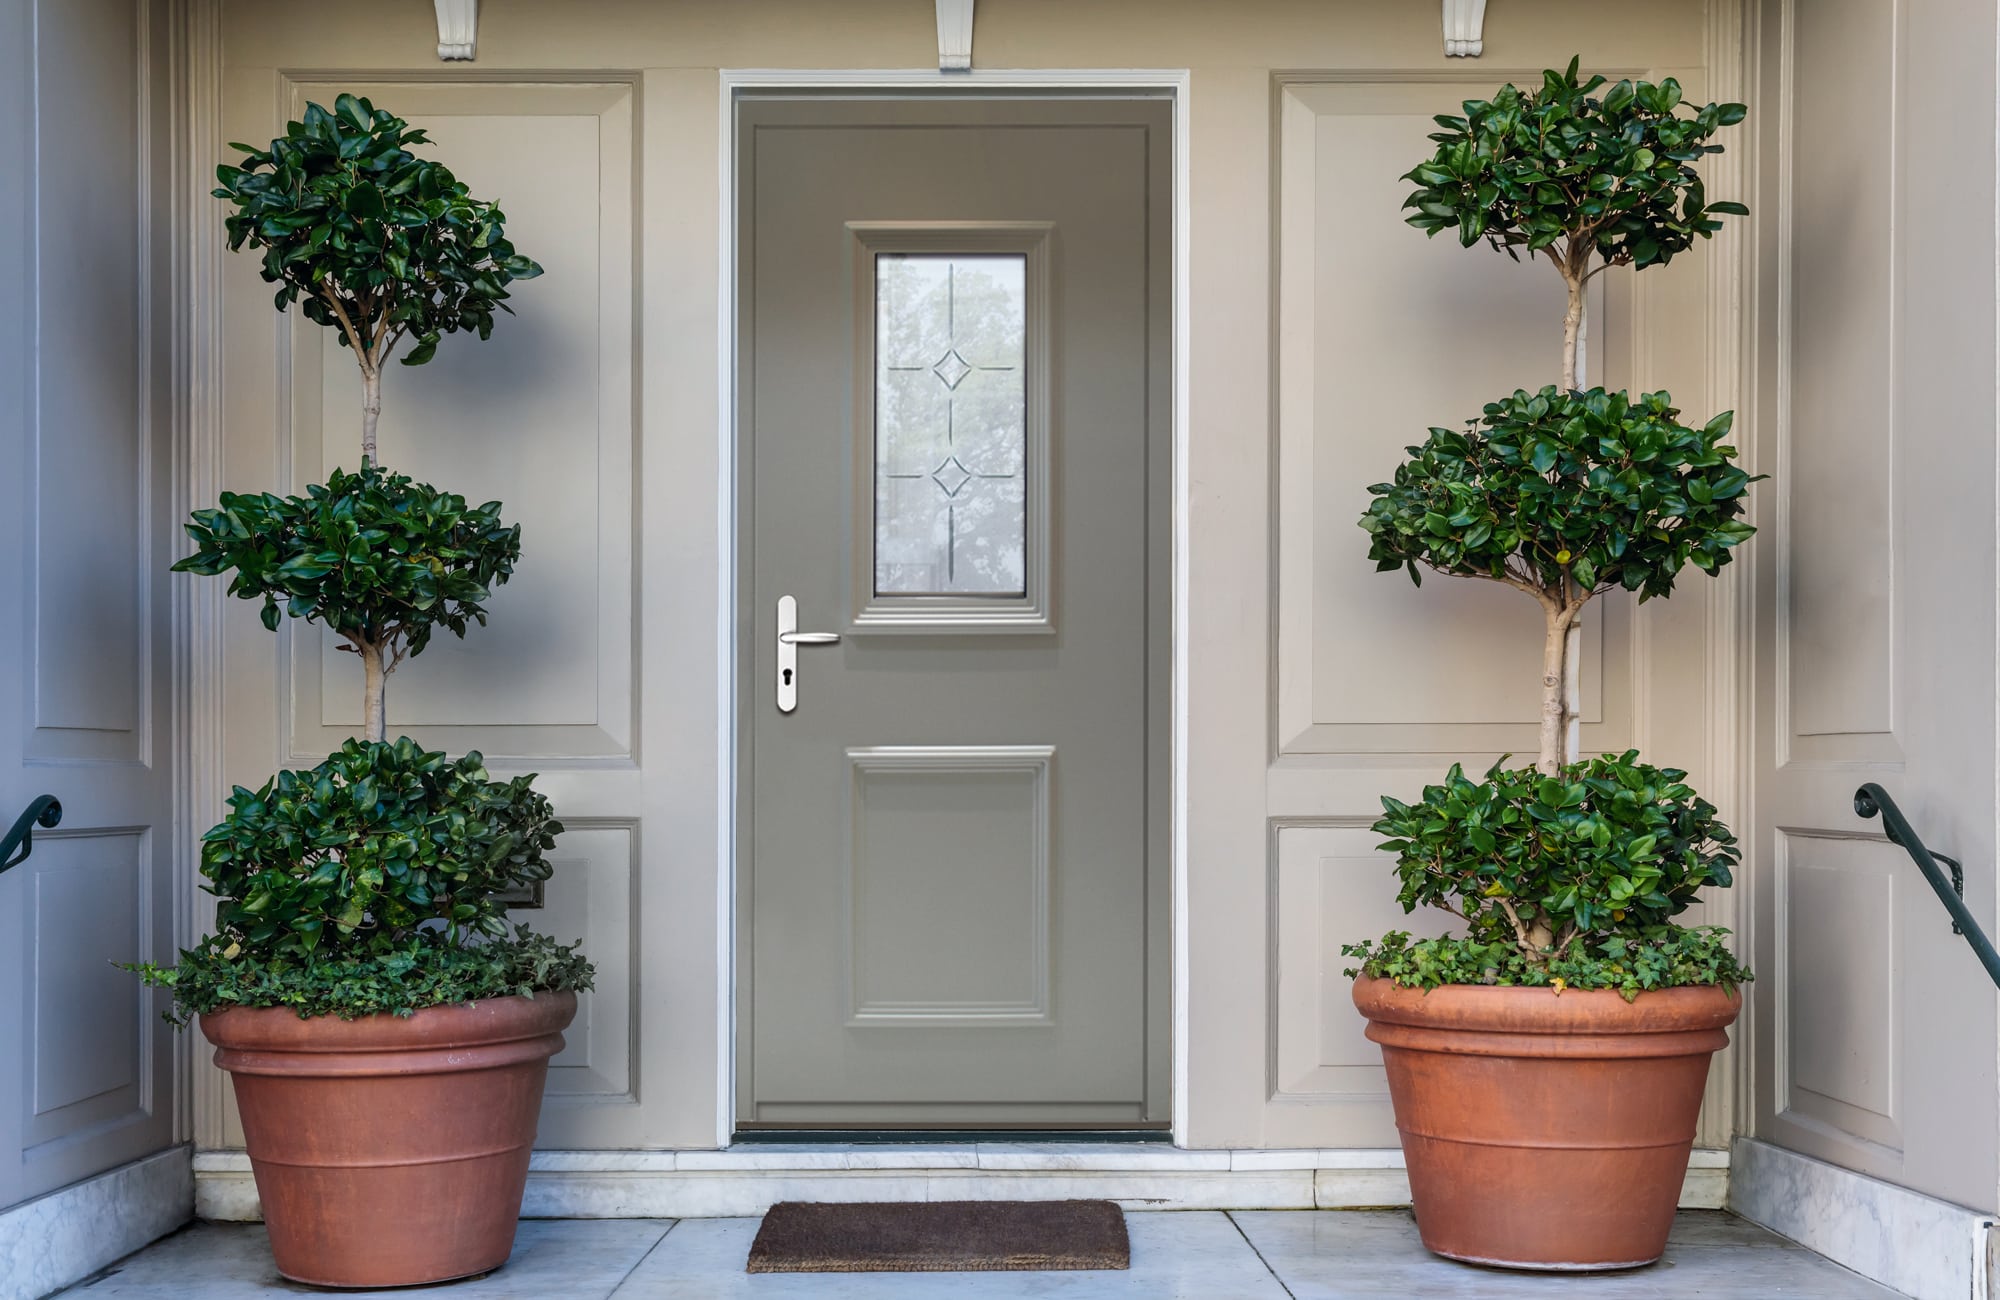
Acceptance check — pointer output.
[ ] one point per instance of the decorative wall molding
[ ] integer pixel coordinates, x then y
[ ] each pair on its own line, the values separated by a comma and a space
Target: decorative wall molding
458, 29
954, 24
1464, 27
201, 788
1731, 596
740, 1181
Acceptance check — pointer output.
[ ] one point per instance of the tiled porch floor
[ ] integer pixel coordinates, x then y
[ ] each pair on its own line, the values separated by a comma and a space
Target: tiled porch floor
1188, 1255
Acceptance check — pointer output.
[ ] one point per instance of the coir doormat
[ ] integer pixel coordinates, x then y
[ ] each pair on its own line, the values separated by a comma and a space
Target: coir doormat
940, 1237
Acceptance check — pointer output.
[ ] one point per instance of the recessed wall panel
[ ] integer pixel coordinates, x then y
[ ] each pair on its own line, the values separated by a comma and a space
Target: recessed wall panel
1839, 441
590, 898
1840, 984
1382, 335
90, 401
84, 892
1329, 886
539, 417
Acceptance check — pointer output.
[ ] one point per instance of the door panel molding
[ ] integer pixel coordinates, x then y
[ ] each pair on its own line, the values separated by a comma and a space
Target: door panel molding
881, 764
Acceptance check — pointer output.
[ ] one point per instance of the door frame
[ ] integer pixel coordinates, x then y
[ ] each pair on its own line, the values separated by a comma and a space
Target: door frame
736, 85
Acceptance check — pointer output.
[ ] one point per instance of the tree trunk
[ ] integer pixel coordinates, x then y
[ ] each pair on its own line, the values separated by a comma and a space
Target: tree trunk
1573, 691
374, 692
371, 410
1555, 702
1572, 327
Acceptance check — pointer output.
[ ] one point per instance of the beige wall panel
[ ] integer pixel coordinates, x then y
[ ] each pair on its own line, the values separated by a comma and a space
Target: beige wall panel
1329, 887
1874, 1026
88, 1076
591, 896
91, 396
539, 417
1367, 662
87, 894
1840, 537
1839, 984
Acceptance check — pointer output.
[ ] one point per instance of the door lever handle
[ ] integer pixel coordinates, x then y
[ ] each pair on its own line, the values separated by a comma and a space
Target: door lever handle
789, 641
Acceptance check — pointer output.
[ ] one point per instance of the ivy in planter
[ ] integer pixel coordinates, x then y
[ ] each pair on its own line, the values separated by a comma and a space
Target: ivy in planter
421, 972
1661, 957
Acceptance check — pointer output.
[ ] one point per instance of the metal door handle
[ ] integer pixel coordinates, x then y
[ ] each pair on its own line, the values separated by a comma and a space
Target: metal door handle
789, 641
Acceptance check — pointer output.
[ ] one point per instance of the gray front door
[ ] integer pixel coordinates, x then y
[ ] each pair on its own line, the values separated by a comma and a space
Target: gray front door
953, 421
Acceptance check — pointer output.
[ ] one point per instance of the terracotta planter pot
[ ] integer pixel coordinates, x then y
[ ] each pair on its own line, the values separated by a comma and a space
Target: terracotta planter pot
1545, 1130
391, 1151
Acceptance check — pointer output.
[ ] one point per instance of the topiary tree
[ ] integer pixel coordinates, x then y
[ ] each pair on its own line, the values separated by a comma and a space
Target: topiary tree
374, 881
1567, 494
369, 239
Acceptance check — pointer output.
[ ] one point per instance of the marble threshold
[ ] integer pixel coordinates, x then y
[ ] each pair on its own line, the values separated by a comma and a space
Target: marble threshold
747, 1180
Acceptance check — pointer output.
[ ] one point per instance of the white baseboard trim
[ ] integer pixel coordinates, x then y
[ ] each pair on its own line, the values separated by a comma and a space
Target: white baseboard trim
54, 1240
748, 1181
1917, 1244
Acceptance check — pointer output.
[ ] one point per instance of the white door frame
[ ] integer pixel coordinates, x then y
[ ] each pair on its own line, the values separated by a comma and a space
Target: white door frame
1172, 84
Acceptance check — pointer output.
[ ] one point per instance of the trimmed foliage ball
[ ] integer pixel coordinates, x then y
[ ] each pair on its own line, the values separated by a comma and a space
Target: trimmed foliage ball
373, 555
1528, 169
375, 845
1603, 489
352, 224
1613, 846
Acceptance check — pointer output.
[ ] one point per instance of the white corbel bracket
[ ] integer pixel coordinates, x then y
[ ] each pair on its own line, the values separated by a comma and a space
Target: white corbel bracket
954, 19
458, 28
1464, 28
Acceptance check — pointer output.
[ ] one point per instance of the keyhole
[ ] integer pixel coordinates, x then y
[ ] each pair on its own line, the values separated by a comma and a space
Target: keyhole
788, 677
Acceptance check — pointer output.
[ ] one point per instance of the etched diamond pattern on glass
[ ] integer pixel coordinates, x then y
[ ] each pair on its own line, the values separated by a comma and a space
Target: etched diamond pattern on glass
950, 424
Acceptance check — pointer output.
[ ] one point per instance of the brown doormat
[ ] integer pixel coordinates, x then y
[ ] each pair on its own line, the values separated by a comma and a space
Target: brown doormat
940, 1237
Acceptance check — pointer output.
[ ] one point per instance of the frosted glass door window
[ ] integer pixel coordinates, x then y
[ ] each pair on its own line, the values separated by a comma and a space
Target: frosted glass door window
950, 424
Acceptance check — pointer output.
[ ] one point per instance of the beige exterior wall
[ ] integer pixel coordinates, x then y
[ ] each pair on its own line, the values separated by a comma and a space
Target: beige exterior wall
1874, 638
1324, 335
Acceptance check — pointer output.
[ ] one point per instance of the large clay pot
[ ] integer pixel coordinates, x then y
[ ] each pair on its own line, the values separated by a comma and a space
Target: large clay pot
389, 1150
1546, 1130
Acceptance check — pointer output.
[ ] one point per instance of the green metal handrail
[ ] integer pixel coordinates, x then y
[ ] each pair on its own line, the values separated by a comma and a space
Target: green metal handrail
1871, 800
45, 812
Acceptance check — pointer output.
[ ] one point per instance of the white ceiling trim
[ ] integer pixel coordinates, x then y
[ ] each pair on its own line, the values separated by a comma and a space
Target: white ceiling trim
458, 28
954, 23
1464, 28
